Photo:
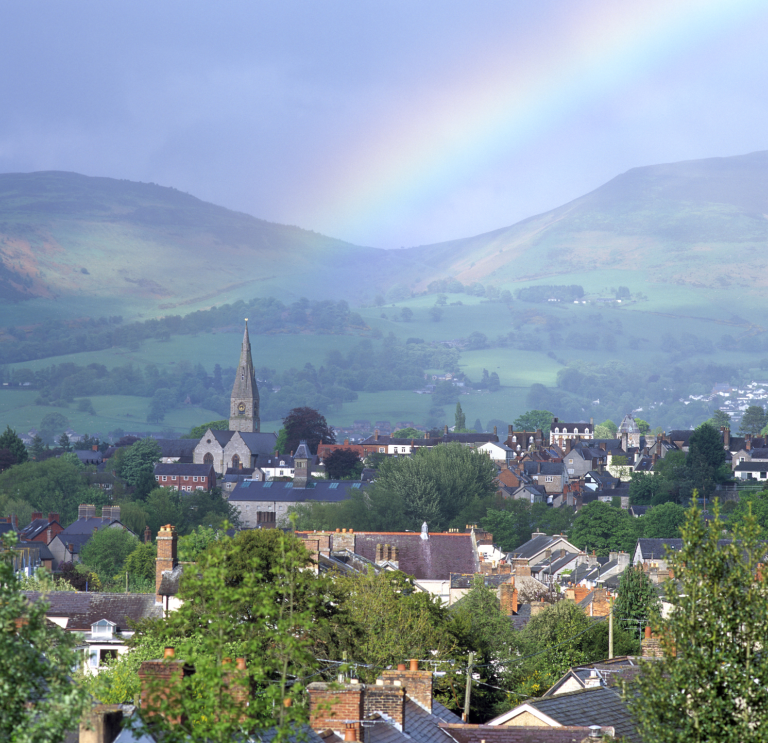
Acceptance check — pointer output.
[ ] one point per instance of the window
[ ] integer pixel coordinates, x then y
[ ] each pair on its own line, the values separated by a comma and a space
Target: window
208, 458
235, 462
194, 479
570, 470
570, 461
402, 449
164, 478
107, 654
199, 487
381, 450
763, 475
557, 430
514, 439
281, 473
549, 478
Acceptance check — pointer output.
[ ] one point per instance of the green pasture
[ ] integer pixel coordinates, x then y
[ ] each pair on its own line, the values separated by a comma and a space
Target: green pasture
18, 410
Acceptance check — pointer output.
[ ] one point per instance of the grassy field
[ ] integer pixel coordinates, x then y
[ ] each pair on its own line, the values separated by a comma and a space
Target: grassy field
18, 410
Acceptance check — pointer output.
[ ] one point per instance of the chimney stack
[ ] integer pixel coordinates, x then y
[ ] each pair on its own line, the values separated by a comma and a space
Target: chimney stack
418, 684
85, 511
37, 515
167, 556
53, 516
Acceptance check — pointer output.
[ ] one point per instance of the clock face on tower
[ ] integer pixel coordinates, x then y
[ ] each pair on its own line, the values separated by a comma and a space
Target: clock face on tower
241, 407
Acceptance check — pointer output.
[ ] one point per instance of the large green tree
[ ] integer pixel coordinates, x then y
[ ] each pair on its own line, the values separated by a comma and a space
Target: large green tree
663, 521
711, 683
754, 420
436, 484
308, 425
533, 420
11, 441
637, 602
107, 550
139, 460
603, 528
706, 456
39, 703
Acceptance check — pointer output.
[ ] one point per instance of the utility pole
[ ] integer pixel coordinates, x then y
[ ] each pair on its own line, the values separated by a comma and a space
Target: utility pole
610, 630
126, 581
468, 692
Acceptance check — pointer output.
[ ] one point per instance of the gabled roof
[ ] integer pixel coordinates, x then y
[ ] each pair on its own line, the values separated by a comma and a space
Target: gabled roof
419, 725
540, 542
84, 609
181, 468
459, 580
274, 491
35, 528
656, 549
596, 706
177, 447
514, 734
425, 559
259, 443
751, 467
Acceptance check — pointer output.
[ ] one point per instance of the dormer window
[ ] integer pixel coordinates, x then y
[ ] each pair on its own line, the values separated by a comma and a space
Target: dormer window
514, 439
103, 629
557, 430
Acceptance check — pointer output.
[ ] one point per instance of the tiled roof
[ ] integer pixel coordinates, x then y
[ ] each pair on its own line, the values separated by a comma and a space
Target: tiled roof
180, 468
88, 456
425, 559
177, 447
34, 528
514, 734
84, 609
537, 544
274, 491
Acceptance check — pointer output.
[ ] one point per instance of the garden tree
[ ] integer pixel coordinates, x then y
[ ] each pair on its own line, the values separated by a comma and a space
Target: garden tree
407, 433
644, 426
251, 600
53, 485
663, 521
343, 463
205, 508
141, 562
712, 681
144, 485
478, 624
757, 505
436, 484
753, 420
107, 550
133, 515
554, 637
435, 313
63, 442
7, 459
306, 424
603, 528
645, 487
638, 602
37, 447
79, 576
38, 701
196, 542
459, 418
197, 432
162, 506
11, 441
52, 424
479, 426
720, 419
606, 430
676, 479
534, 420
706, 456
140, 458
391, 621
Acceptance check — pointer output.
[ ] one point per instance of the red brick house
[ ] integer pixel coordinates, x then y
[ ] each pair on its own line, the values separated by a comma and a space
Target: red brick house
186, 477
40, 529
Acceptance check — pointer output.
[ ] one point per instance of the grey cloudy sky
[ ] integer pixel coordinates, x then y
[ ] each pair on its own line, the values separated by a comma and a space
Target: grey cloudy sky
388, 124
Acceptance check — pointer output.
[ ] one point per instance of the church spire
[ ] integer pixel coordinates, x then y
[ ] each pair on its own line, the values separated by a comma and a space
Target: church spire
244, 405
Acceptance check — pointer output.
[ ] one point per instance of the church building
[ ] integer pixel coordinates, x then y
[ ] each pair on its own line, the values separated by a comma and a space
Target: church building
240, 446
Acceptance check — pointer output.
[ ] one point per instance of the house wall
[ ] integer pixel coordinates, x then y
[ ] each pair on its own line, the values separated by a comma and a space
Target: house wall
526, 719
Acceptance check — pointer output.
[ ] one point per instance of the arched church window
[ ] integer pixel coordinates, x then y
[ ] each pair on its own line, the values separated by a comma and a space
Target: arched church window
235, 462
208, 458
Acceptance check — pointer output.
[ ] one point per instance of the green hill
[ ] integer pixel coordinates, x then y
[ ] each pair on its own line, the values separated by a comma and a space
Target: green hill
681, 223
105, 246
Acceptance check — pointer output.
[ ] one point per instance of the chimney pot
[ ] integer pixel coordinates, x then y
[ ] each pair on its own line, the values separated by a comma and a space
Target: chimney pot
241, 664
169, 652
647, 633
349, 731
401, 666
414, 664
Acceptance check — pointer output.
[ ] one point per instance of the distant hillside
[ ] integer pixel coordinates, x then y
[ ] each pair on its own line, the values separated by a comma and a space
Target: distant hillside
69, 236
700, 223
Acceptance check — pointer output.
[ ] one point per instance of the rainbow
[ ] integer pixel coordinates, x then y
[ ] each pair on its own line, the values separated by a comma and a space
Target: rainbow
506, 100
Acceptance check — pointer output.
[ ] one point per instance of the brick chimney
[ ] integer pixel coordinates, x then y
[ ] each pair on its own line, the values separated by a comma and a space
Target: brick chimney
445, 430
580, 593
508, 598
158, 679
386, 696
331, 706
376, 435
52, 516
726, 437
520, 567
101, 723
37, 515
651, 645
418, 684
147, 535
167, 555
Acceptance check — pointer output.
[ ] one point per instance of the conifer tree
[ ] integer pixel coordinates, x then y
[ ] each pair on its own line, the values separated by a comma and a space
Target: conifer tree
460, 418
10, 440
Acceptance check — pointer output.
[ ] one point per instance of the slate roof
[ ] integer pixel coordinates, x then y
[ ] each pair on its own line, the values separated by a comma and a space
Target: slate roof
182, 468
682, 438
419, 725
651, 549
459, 580
463, 438
639, 510
514, 734
751, 467
273, 491
759, 454
84, 609
537, 544
182, 448
611, 672
80, 531
262, 444
596, 706
425, 559
88, 456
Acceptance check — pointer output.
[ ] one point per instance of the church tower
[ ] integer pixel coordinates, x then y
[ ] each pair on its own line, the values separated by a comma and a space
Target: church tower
244, 406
